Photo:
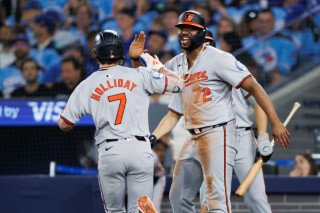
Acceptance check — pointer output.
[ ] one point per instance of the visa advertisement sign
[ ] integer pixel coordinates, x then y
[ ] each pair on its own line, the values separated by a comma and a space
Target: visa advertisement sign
35, 113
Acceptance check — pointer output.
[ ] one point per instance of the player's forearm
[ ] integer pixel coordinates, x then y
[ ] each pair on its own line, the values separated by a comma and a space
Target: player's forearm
169, 73
166, 125
64, 126
261, 119
136, 63
264, 101
175, 83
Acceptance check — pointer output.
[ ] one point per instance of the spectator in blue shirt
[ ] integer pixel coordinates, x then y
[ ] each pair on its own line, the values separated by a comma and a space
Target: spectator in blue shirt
143, 15
110, 22
10, 79
44, 27
125, 19
231, 42
6, 46
276, 55
156, 41
249, 25
91, 64
303, 36
22, 50
225, 25
30, 10
61, 38
83, 22
53, 75
171, 16
33, 88
205, 12
72, 75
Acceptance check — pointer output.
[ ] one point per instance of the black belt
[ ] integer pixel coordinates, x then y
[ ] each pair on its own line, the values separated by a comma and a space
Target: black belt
245, 128
139, 138
200, 130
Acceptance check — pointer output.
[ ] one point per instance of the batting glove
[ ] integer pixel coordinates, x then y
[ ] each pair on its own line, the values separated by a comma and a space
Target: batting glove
265, 149
152, 63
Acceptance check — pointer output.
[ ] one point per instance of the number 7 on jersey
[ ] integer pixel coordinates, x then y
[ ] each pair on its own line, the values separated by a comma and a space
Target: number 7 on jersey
123, 100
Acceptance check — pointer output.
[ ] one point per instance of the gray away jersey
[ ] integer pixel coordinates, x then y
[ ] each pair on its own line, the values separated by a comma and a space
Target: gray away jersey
206, 99
241, 101
118, 101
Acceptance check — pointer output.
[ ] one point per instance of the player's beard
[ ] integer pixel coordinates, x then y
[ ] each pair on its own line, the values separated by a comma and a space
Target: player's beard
191, 47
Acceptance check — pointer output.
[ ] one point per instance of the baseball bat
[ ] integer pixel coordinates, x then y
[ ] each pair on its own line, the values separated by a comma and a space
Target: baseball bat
257, 166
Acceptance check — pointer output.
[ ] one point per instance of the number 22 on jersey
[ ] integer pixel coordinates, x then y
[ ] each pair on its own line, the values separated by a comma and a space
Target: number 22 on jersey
123, 100
204, 92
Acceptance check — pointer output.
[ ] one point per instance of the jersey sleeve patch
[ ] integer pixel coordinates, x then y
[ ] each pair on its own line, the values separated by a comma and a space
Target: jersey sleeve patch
240, 66
156, 75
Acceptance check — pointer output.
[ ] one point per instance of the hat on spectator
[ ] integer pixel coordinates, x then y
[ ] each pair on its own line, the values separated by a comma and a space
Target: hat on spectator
53, 14
293, 11
251, 15
45, 21
161, 33
21, 37
32, 5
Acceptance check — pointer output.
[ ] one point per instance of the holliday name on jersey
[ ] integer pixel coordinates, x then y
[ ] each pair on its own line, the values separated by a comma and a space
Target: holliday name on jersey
116, 83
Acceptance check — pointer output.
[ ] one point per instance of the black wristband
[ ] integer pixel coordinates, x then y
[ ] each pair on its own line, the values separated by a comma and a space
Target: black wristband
135, 59
152, 139
264, 158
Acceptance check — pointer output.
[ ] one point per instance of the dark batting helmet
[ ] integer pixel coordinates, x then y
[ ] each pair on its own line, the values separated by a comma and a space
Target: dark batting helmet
209, 38
195, 19
108, 45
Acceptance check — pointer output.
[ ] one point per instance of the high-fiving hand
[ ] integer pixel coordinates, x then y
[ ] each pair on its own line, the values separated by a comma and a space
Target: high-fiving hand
152, 63
137, 46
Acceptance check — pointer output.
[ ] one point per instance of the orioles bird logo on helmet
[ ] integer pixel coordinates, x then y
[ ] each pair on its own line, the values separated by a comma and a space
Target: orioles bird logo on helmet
188, 16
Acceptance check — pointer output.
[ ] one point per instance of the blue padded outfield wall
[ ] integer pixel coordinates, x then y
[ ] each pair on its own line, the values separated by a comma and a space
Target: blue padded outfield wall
81, 194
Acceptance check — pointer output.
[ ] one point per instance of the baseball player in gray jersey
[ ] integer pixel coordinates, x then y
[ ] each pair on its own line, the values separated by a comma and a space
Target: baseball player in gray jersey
206, 104
117, 97
255, 198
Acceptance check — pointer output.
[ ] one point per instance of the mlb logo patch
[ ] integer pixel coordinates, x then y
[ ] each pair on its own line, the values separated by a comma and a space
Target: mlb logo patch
240, 66
109, 75
156, 75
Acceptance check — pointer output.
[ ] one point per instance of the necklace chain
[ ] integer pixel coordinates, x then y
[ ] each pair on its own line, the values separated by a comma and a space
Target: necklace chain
190, 70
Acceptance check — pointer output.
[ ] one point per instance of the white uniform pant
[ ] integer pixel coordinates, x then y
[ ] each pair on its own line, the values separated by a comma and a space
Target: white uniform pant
208, 156
125, 166
158, 191
255, 198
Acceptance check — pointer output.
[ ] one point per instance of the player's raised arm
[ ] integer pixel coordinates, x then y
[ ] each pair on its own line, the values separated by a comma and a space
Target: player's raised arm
279, 132
174, 83
136, 49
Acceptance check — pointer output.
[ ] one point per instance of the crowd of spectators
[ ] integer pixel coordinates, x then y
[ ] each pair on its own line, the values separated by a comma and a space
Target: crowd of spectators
53, 40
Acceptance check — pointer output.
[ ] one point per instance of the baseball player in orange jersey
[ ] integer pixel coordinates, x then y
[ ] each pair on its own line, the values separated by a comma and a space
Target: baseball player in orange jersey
255, 198
117, 98
206, 104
